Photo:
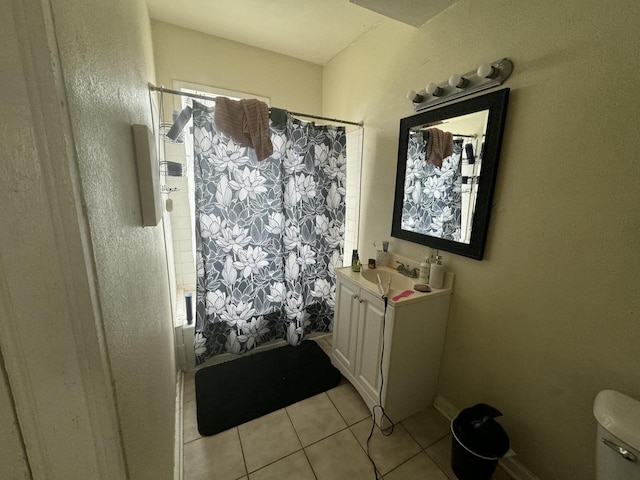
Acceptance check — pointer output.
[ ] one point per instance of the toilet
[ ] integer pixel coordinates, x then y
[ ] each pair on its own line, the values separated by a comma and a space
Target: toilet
618, 440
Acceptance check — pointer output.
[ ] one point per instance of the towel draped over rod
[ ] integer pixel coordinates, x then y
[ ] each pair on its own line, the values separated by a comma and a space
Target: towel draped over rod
162, 89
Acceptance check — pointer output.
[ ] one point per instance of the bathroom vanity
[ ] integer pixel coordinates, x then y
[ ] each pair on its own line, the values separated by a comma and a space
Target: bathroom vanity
413, 333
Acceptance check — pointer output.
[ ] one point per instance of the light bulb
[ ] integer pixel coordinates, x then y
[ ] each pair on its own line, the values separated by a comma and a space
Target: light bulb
486, 71
414, 97
433, 89
456, 81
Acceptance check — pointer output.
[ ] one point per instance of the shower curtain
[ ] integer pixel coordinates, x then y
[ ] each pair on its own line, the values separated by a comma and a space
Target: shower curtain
433, 195
269, 234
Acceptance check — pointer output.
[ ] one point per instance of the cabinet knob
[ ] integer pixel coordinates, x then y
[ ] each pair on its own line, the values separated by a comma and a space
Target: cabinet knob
361, 300
354, 296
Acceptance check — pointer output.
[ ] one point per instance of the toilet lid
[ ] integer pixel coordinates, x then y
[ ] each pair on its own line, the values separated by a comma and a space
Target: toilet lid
620, 415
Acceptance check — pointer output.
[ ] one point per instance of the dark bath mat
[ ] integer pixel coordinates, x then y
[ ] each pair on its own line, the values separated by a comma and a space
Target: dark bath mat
232, 393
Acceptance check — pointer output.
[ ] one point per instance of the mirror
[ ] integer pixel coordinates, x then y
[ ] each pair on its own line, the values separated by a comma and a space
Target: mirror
447, 163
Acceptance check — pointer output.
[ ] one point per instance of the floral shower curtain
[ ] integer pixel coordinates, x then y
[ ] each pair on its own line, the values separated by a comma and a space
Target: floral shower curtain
269, 234
432, 195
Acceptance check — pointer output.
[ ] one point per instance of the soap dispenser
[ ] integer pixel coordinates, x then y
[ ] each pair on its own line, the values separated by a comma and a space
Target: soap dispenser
436, 276
425, 270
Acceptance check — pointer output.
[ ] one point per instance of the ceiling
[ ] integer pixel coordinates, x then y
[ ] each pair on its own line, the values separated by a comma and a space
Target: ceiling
411, 12
311, 30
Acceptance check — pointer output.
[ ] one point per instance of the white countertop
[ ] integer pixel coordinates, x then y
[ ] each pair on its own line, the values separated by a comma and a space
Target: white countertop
406, 284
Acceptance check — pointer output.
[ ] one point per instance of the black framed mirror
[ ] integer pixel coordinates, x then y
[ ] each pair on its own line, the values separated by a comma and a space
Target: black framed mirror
447, 165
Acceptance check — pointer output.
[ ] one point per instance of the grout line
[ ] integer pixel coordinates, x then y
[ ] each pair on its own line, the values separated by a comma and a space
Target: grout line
195, 440
300, 441
285, 456
433, 459
282, 458
339, 413
411, 436
328, 436
416, 440
244, 460
363, 448
408, 460
293, 426
294, 431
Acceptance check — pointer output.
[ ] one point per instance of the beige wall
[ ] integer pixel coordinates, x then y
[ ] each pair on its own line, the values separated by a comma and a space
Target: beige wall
186, 55
57, 372
105, 53
12, 454
550, 317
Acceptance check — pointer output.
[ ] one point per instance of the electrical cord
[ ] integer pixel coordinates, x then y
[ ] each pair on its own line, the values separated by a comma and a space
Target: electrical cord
385, 431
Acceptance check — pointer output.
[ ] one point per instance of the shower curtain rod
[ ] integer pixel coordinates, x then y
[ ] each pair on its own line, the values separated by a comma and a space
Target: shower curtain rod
463, 135
212, 99
455, 134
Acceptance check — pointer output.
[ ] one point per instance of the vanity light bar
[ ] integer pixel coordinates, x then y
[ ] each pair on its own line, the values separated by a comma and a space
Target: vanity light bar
487, 75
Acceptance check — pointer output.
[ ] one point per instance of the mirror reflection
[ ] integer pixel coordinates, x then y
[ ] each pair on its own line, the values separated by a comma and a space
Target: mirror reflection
447, 163
444, 160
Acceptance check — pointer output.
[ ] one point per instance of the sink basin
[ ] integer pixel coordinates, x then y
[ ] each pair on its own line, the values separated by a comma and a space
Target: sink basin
367, 279
398, 281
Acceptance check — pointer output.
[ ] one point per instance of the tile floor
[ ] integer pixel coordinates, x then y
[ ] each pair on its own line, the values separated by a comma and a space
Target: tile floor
322, 437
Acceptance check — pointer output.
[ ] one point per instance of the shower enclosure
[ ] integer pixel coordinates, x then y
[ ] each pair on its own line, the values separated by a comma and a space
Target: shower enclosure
180, 190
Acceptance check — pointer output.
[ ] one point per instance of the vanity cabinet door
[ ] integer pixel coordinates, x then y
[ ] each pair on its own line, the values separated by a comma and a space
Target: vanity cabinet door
345, 324
413, 334
369, 348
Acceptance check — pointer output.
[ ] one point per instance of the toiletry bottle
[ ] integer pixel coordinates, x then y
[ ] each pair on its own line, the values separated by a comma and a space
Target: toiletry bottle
437, 273
425, 268
382, 256
188, 307
355, 261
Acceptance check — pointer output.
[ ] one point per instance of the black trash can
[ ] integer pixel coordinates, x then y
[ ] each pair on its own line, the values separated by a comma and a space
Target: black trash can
477, 442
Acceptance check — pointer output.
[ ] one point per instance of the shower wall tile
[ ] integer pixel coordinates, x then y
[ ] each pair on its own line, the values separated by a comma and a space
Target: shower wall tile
352, 198
182, 234
176, 149
181, 222
186, 257
180, 199
188, 269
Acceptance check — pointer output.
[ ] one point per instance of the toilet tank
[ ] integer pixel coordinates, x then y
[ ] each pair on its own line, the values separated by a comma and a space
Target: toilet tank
618, 440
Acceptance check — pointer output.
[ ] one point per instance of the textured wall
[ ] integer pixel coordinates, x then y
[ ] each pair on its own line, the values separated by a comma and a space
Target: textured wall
12, 455
550, 317
105, 53
12, 452
57, 379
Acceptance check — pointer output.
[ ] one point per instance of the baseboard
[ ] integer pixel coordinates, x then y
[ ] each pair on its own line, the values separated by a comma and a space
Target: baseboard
446, 408
178, 449
516, 470
509, 464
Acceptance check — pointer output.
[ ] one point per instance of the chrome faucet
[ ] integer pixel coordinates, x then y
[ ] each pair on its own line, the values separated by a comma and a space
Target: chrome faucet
406, 271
